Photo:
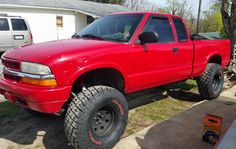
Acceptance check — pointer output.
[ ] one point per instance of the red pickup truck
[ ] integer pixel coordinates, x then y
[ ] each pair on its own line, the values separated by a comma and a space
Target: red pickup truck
87, 77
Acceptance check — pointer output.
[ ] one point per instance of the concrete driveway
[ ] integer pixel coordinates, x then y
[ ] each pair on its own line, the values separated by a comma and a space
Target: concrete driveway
183, 131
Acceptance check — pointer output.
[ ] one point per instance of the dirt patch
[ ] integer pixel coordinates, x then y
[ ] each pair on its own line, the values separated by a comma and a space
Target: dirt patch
28, 132
230, 80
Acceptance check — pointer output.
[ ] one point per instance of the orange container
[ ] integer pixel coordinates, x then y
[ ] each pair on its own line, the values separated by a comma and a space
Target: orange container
212, 129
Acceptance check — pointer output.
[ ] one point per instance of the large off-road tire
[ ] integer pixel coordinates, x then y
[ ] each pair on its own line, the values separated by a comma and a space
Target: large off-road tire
37, 114
210, 83
96, 118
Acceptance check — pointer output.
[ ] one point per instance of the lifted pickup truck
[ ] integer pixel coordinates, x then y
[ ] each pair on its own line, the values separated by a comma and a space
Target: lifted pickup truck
87, 77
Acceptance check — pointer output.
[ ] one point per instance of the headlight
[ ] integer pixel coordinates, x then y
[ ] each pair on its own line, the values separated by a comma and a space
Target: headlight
34, 68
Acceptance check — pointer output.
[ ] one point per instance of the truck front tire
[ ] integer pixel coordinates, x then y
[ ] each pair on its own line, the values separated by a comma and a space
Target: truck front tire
210, 83
96, 118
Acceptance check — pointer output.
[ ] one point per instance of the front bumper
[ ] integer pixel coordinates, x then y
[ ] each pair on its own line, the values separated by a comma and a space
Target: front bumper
42, 99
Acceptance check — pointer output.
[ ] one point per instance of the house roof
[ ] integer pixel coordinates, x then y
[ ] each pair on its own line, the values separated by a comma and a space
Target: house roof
87, 7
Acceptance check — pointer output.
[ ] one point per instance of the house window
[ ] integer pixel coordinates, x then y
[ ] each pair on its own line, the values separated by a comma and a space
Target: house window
59, 21
90, 19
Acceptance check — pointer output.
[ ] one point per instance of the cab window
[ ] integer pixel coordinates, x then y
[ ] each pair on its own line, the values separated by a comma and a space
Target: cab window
162, 26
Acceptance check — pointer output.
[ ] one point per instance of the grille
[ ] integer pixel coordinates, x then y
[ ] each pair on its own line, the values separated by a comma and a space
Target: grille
11, 64
11, 77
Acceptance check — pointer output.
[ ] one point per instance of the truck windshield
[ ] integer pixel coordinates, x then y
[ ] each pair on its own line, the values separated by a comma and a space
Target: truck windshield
118, 28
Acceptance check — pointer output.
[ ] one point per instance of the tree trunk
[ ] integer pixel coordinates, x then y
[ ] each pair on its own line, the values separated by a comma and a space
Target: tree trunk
229, 21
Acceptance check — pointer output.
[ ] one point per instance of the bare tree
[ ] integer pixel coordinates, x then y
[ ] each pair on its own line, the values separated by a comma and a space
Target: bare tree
172, 6
178, 7
140, 5
228, 11
132, 4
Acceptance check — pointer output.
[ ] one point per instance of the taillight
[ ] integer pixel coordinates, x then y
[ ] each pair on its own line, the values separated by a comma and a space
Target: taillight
31, 37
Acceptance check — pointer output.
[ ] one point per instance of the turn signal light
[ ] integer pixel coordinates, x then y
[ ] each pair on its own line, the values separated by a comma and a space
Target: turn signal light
46, 82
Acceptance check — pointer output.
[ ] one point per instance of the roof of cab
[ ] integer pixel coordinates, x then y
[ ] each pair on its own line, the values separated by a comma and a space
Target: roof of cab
147, 13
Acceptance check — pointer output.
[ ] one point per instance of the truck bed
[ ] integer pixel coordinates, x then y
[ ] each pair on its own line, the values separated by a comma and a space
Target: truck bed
205, 49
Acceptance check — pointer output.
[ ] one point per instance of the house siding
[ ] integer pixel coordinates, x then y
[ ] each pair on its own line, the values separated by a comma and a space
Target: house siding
43, 22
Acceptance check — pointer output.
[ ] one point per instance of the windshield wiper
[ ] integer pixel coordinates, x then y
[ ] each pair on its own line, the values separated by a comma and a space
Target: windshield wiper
91, 36
75, 36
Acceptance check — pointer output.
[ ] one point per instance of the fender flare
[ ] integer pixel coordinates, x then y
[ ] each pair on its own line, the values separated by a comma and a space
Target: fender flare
86, 68
211, 55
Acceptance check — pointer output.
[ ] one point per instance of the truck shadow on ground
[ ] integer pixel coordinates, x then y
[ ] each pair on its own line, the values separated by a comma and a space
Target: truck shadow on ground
49, 132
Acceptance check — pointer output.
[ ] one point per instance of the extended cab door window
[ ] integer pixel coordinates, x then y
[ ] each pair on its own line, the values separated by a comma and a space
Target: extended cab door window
180, 29
162, 26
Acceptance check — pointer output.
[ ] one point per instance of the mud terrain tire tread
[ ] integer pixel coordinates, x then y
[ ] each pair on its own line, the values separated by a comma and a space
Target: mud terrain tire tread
205, 82
78, 113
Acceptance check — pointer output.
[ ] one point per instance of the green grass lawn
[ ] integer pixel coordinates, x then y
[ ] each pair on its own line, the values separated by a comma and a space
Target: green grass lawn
159, 110
8, 110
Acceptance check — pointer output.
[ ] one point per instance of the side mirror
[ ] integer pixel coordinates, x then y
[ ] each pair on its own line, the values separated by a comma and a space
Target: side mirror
149, 37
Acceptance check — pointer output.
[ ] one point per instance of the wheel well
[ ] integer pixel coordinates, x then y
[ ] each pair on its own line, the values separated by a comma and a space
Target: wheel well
216, 59
104, 76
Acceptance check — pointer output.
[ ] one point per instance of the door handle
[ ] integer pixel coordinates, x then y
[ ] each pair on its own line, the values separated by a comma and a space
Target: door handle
175, 50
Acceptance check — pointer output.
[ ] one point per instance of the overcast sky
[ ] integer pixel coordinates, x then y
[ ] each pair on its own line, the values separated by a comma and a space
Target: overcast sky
194, 3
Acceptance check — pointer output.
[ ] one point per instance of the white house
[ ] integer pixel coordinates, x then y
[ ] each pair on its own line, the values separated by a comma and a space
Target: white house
57, 19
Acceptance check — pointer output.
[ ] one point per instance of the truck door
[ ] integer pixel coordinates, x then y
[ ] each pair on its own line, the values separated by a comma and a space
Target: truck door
151, 63
5, 35
182, 54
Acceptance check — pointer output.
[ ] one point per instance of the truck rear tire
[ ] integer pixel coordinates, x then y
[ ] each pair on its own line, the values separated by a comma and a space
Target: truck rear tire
210, 83
96, 118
